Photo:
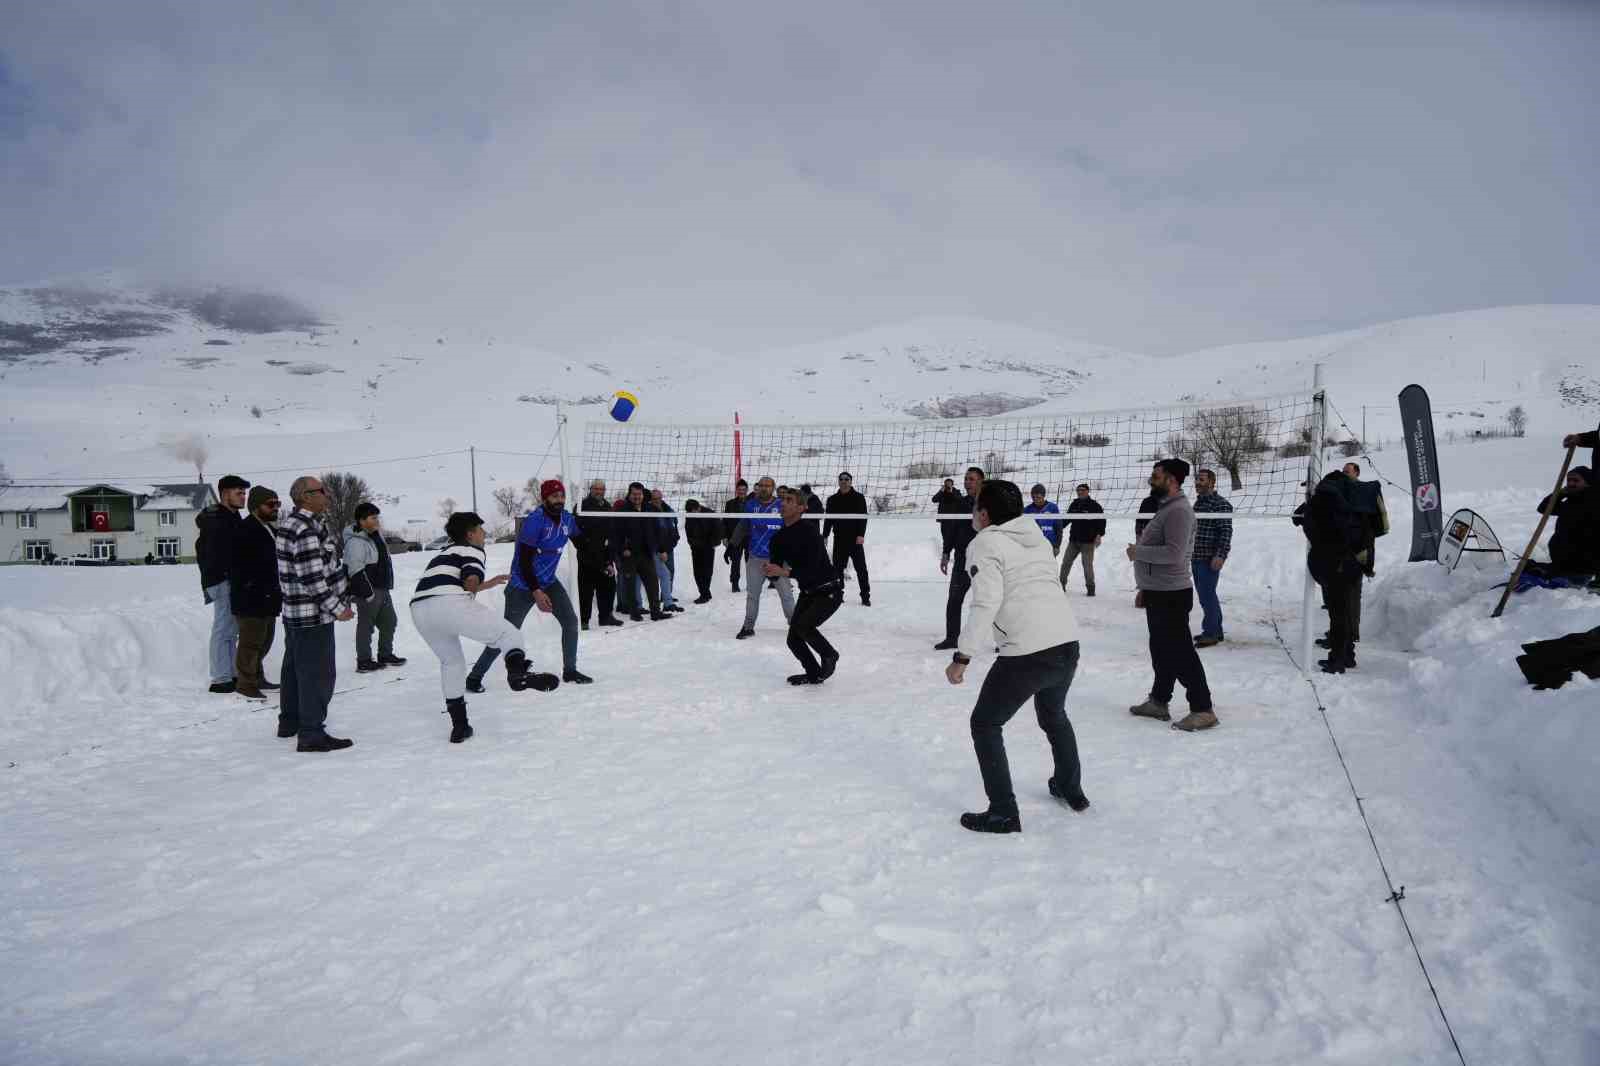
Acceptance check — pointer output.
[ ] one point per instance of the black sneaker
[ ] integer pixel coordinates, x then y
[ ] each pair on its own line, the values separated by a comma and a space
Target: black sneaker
636, 616
805, 679
222, 688
1090, 593
573, 677
584, 626
1078, 801
323, 743
866, 601
674, 608
1324, 642
991, 822
830, 663
368, 666
475, 686
268, 686
662, 615
537, 682
945, 645
704, 597
1332, 666
611, 621
744, 634
391, 660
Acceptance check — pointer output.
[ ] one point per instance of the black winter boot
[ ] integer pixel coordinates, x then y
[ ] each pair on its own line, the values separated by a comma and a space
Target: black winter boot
457, 710
991, 821
519, 676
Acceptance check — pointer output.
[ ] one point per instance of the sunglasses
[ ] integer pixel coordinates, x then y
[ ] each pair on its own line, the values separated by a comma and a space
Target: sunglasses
316, 492
271, 505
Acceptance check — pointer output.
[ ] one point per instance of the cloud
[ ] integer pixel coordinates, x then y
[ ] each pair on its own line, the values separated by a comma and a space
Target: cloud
1161, 176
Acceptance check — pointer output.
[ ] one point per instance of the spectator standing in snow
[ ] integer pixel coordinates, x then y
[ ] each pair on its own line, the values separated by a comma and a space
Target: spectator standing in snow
735, 532
597, 582
253, 592
213, 550
445, 609
1050, 527
796, 553
1084, 536
759, 529
1213, 538
849, 534
667, 567
1019, 607
541, 536
703, 536
1163, 572
315, 596
813, 501
371, 573
957, 535
635, 548
1148, 505
1336, 532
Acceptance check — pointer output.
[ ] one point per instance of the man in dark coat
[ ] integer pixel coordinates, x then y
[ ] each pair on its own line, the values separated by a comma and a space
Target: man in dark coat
957, 535
1575, 544
253, 592
213, 549
797, 553
1084, 535
1336, 533
635, 548
703, 536
735, 532
597, 584
849, 534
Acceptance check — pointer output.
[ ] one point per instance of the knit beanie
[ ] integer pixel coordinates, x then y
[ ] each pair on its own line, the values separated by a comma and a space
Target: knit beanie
549, 487
260, 495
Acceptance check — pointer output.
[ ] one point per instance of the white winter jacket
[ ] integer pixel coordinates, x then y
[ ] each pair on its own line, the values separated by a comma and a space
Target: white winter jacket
1017, 598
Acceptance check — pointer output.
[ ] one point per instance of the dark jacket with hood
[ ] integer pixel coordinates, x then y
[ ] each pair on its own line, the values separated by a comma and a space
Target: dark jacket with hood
1334, 528
253, 572
213, 548
640, 536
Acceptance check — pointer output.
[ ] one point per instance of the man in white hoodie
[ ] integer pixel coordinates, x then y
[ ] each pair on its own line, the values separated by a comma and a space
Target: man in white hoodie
1019, 604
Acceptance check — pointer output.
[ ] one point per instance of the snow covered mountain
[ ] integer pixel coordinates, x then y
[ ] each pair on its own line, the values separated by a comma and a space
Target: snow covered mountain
98, 382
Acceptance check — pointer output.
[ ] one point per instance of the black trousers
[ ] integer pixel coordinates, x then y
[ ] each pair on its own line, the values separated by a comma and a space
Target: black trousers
960, 582
1354, 614
846, 550
1340, 591
805, 637
595, 587
309, 675
705, 561
642, 567
1044, 676
1172, 652
736, 556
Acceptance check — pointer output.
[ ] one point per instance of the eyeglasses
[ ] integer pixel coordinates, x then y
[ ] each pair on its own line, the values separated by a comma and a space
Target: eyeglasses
315, 492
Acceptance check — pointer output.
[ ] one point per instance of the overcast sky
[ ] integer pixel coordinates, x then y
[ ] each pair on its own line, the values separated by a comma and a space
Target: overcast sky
1155, 176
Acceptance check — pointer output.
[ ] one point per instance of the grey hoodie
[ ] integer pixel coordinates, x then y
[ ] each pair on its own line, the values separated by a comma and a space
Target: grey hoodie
1161, 560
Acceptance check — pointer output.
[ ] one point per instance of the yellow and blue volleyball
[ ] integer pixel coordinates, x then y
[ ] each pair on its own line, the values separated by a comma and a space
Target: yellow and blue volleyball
623, 404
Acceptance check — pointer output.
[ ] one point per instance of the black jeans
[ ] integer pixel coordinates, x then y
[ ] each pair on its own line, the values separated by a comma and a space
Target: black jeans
1353, 616
1340, 590
1172, 653
642, 567
960, 582
846, 550
810, 611
595, 588
309, 674
736, 557
1045, 676
705, 560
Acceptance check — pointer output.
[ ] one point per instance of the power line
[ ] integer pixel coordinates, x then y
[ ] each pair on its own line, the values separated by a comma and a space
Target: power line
74, 481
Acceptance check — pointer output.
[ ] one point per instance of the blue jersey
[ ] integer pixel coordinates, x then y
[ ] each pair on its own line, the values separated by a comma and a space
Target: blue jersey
762, 529
1050, 528
539, 544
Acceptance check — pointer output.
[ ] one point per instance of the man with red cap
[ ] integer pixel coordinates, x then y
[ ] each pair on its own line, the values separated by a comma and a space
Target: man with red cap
540, 539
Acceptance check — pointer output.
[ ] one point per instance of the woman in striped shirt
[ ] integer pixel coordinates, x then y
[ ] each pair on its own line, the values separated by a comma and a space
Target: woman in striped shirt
444, 609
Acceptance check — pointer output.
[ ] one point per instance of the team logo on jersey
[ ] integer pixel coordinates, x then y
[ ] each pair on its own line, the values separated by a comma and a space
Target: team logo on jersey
1428, 497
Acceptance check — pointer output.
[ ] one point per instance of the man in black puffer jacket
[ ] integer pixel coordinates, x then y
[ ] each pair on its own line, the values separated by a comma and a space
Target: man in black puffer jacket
253, 592
635, 548
1336, 533
703, 535
213, 550
597, 582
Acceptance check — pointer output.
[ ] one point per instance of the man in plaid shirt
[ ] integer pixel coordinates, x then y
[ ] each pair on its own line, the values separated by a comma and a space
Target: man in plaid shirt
314, 597
1212, 539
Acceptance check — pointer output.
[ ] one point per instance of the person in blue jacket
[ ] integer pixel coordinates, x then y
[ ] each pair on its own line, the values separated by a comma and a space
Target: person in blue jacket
540, 539
759, 541
1051, 528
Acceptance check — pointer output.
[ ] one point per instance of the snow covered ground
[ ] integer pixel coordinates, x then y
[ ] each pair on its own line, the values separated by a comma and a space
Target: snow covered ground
692, 862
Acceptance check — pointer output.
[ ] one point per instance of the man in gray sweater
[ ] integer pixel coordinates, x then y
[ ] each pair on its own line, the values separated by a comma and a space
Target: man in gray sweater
1161, 568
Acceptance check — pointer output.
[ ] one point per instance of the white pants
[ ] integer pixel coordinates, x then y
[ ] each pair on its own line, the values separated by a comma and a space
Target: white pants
444, 620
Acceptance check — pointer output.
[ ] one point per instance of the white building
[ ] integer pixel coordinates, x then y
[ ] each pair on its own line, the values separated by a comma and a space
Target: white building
113, 522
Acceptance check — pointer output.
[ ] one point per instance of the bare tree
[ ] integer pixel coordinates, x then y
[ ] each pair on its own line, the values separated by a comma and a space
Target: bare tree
191, 448
447, 507
1517, 419
1230, 436
530, 489
508, 502
344, 490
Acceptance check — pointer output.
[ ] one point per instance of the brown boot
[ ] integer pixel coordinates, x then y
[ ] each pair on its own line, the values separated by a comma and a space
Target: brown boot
1195, 721
1151, 709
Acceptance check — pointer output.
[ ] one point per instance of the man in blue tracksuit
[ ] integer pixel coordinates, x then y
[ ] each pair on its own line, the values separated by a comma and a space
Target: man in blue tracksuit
534, 582
1050, 527
759, 541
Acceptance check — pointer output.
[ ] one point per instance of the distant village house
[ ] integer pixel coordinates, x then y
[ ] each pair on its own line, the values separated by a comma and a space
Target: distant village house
102, 522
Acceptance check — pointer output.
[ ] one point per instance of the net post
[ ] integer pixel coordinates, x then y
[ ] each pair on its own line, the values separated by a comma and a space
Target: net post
1319, 429
569, 562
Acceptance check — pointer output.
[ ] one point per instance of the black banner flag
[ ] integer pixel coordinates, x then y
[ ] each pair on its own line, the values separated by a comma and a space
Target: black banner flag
1427, 516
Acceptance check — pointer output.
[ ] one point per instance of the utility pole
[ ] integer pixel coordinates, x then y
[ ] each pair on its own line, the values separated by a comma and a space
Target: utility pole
1363, 425
472, 453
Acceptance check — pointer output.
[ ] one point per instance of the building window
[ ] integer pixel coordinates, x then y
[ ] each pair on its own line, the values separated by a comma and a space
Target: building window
167, 547
102, 549
35, 551
169, 518
27, 520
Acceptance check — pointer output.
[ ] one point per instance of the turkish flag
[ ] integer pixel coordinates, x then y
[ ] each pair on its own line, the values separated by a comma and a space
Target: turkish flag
100, 521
